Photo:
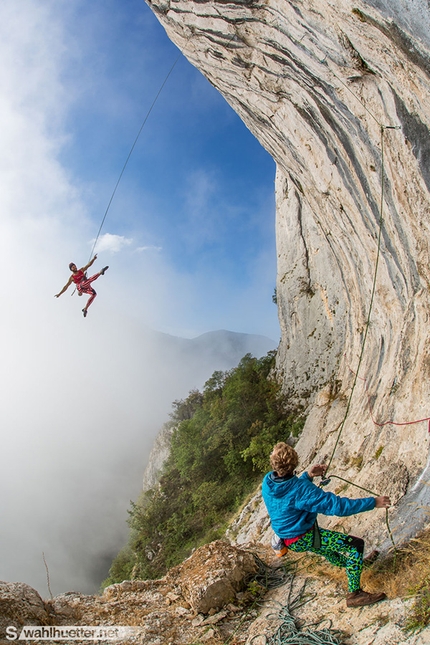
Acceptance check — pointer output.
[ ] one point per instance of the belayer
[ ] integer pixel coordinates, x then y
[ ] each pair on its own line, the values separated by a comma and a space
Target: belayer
83, 284
293, 504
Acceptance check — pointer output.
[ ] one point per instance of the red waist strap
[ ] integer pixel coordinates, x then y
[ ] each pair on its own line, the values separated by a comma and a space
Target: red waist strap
288, 541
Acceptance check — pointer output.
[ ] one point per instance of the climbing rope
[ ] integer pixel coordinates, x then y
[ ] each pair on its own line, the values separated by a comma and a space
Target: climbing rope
129, 155
363, 344
131, 150
341, 426
327, 480
268, 576
232, 37
372, 298
287, 632
390, 421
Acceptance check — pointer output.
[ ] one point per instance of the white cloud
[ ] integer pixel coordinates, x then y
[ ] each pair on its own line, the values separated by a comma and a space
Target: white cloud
141, 249
82, 398
112, 243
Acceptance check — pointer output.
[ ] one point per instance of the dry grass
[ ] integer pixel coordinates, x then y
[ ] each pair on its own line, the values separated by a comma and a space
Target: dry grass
402, 574
405, 573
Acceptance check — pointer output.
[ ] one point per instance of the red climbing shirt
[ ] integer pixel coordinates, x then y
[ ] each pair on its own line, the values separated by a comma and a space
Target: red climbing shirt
78, 276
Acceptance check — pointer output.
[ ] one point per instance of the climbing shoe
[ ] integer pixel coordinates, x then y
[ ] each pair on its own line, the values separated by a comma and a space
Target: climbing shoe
84, 311
361, 598
102, 272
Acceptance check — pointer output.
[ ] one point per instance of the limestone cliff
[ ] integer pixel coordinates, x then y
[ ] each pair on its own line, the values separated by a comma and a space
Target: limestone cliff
158, 455
338, 94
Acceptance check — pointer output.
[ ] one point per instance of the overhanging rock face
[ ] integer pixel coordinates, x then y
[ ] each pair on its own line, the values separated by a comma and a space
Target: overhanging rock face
338, 94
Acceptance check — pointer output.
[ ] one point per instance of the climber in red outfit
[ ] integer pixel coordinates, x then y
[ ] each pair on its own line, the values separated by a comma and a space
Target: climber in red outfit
83, 284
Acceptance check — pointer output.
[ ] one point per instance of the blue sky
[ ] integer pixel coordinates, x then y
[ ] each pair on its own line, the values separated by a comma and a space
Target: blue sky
189, 240
198, 189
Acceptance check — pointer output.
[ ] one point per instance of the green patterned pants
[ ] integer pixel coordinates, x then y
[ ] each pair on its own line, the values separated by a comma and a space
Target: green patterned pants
339, 549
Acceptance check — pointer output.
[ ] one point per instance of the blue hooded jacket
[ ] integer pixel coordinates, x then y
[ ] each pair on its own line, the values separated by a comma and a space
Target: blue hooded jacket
293, 504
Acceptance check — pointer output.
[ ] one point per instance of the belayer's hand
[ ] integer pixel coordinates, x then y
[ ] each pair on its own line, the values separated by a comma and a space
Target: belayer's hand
317, 470
382, 502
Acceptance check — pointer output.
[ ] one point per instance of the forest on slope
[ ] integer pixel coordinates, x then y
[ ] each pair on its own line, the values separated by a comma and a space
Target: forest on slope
220, 446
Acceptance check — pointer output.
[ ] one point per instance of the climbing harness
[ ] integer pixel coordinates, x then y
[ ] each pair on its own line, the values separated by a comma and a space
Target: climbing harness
280, 548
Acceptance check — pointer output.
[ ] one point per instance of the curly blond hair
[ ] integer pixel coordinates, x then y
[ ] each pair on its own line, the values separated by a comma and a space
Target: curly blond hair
284, 459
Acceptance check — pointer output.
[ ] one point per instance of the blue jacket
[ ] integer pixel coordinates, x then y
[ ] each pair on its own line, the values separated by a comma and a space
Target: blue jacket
293, 504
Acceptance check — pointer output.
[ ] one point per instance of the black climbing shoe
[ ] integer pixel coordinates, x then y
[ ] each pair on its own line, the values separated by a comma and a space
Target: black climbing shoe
102, 272
84, 311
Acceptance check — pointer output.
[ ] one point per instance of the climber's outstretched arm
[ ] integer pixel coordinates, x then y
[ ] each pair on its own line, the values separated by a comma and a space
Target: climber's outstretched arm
66, 286
87, 266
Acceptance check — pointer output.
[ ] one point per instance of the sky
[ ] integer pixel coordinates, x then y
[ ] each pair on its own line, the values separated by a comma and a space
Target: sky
190, 244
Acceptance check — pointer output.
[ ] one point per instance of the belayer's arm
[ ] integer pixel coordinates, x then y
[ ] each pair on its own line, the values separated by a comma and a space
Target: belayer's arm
314, 499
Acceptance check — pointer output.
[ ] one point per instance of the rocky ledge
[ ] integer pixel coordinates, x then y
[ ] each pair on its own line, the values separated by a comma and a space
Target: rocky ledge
212, 598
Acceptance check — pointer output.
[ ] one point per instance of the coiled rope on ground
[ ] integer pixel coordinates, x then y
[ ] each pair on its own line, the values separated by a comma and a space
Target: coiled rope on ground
287, 631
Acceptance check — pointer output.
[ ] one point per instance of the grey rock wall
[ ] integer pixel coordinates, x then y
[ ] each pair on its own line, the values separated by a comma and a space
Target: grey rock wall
157, 457
338, 94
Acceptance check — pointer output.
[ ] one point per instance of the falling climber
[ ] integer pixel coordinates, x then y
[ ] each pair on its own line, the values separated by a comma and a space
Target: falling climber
83, 284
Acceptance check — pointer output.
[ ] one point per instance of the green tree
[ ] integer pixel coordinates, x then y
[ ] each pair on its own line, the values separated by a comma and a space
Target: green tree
220, 446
